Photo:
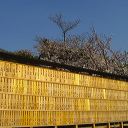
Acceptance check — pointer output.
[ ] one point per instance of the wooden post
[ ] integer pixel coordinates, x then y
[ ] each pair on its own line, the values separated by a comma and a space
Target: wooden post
94, 126
76, 126
122, 126
108, 125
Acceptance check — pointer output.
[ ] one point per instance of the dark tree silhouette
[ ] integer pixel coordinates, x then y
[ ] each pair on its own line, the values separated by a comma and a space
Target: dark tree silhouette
24, 52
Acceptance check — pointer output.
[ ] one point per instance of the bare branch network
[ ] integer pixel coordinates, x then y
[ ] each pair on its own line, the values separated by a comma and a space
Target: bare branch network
65, 26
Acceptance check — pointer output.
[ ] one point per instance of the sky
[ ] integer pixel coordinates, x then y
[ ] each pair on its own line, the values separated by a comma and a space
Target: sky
21, 21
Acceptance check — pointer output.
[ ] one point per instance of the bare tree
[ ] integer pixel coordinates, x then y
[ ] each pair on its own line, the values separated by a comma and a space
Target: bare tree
65, 26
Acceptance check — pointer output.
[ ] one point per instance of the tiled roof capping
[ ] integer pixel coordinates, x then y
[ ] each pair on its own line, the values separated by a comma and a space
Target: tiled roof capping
42, 63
